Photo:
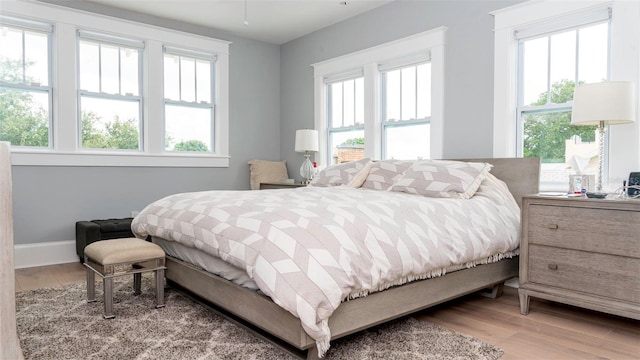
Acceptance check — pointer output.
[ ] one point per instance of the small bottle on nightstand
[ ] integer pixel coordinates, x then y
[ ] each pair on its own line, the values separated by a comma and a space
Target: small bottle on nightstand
577, 185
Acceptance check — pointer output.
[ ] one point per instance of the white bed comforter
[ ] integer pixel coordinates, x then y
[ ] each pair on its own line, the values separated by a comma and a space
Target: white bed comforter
311, 248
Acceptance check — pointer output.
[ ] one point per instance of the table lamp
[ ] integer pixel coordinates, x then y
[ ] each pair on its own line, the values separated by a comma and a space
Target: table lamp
602, 104
307, 143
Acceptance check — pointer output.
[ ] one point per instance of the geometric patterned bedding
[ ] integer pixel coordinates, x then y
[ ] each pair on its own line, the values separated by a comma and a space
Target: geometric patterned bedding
311, 248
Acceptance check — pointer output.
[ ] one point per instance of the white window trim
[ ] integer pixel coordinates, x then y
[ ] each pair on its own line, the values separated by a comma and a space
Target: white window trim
428, 42
66, 151
624, 148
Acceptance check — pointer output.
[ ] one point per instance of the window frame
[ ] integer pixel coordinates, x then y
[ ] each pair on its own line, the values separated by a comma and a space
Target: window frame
340, 129
623, 147
522, 109
65, 151
428, 45
211, 104
386, 124
26, 24
103, 39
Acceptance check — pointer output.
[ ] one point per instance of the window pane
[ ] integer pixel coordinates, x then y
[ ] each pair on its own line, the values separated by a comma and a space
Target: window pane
359, 101
36, 58
535, 70
109, 61
424, 91
89, 66
559, 145
408, 80
346, 146
335, 104
171, 77
187, 128
407, 142
349, 102
187, 79
129, 71
11, 55
392, 95
33, 68
24, 117
203, 81
563, 58
110, 124
593, 54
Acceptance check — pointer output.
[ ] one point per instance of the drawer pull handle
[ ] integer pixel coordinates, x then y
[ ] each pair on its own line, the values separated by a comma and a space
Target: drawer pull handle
552, 226
552, 266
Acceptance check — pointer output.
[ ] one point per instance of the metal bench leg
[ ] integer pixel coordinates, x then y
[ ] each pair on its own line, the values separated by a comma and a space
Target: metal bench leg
91, 285
108, 298
159, 274
137, 281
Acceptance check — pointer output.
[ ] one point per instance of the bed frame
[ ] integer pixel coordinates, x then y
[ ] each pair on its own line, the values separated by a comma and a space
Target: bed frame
520, 174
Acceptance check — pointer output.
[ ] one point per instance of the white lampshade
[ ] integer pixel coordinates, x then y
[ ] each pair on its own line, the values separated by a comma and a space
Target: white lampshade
609, 103
306, 140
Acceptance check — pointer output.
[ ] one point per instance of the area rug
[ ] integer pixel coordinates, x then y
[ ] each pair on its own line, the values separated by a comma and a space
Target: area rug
58, 323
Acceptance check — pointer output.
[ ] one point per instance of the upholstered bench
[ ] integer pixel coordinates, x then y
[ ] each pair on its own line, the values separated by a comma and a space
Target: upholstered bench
111, 258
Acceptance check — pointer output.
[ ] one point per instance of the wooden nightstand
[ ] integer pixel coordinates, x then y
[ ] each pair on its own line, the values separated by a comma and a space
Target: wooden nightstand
269, 186
582, 252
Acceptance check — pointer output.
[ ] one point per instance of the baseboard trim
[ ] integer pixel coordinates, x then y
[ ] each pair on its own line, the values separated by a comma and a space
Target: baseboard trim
47, 253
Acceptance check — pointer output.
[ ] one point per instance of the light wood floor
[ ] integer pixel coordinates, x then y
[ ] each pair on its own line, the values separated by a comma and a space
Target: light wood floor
550, 331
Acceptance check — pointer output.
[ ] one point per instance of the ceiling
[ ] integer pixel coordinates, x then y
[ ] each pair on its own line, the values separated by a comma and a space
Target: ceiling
273, 21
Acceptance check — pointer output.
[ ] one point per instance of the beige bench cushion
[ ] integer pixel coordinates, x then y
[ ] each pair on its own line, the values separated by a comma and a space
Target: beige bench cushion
117, 251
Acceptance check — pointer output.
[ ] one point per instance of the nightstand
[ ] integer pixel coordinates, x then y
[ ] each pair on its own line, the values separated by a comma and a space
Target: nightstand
582, 252
270, 186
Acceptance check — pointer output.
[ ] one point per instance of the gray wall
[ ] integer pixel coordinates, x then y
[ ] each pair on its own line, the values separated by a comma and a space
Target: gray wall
49, 200
468, 112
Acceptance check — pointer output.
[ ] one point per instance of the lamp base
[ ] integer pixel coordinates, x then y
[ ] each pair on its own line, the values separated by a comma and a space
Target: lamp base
306, 170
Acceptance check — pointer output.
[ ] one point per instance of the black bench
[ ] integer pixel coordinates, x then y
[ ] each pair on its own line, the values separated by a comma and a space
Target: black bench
88, 232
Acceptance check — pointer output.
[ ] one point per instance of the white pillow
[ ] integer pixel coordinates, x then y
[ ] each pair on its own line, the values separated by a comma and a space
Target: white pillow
385, 173
349, 173
443, 179
263, 171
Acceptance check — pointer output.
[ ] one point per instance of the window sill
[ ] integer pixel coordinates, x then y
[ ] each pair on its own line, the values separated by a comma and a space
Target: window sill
35, 158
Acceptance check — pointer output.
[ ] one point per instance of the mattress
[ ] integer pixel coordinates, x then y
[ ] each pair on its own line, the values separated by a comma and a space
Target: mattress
207, 262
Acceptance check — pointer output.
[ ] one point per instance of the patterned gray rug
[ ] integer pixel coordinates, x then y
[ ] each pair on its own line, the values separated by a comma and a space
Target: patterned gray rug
58, 323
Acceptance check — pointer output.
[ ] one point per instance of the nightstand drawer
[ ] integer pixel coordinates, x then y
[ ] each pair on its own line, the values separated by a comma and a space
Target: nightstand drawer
588, 229
599, 274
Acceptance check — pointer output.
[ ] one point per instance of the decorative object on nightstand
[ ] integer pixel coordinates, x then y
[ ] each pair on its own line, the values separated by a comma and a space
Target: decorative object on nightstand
307, 143
280, 185
602, 104
581, 252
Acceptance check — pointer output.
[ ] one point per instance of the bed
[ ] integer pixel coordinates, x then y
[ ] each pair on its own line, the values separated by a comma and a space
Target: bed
342, 296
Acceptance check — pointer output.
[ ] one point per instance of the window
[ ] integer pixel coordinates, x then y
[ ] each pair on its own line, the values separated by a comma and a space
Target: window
25, 83
109, 96
346, 119
188, 107
542, 50
406, 112
551, 64
376, 105
108, 105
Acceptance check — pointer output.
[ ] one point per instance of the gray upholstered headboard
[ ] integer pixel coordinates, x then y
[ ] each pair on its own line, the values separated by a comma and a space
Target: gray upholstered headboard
522, 175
